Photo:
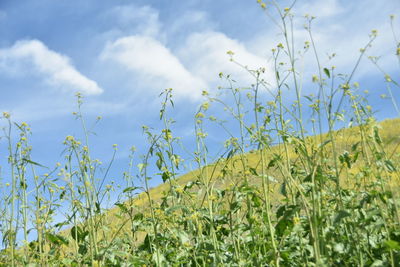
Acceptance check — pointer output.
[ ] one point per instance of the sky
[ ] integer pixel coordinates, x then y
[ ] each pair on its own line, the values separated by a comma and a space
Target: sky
121, 54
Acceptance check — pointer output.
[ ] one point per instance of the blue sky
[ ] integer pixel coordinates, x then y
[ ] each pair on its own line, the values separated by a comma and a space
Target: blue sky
122, 54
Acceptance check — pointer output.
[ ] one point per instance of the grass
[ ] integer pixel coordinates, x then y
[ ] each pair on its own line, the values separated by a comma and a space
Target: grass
293, 185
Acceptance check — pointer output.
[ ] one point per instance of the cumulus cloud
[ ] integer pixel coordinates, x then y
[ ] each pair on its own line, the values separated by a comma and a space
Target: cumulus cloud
205, 54
32, 56
155, 64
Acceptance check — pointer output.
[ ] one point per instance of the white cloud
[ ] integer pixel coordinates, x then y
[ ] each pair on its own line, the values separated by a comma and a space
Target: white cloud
32, 56
320, 9
142, 20
154, 64
205, 54
342, 29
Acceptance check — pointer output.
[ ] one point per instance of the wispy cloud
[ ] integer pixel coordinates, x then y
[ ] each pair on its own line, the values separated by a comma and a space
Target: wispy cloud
321, 9
154, 64
132, 19
32, 56
205, 54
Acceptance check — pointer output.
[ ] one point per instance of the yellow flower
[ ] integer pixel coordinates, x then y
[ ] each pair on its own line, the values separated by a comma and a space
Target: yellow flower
199, 115
205, 106
345, 86
6, 115
69, 138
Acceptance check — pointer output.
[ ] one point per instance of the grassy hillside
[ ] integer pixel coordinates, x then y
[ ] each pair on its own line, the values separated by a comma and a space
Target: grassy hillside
231, 190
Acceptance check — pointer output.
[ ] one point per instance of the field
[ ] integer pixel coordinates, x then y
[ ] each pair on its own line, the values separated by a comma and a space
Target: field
311, 182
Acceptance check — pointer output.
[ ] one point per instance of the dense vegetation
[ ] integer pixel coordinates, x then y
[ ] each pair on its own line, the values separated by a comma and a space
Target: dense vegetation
313, 182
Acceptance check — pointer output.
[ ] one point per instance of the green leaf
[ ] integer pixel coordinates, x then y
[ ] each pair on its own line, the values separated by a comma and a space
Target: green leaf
165, 176
283, 190
377, 136
340, 215
327, 72
324, 143
345, 158
174, 208
391, 244
78, 234
129, 189
389, 166
34, 163
56, 239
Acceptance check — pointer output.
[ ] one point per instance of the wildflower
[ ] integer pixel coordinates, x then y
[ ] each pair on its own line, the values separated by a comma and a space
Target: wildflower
115, 146
280, 45
6, 115
263, 5
199, 115
230, 53
179, 190
398, 51
69, 138
168, 134
204, 93
315, 78
7, 184
388, 78
286, 9
205, 106
345, 86
24, 124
